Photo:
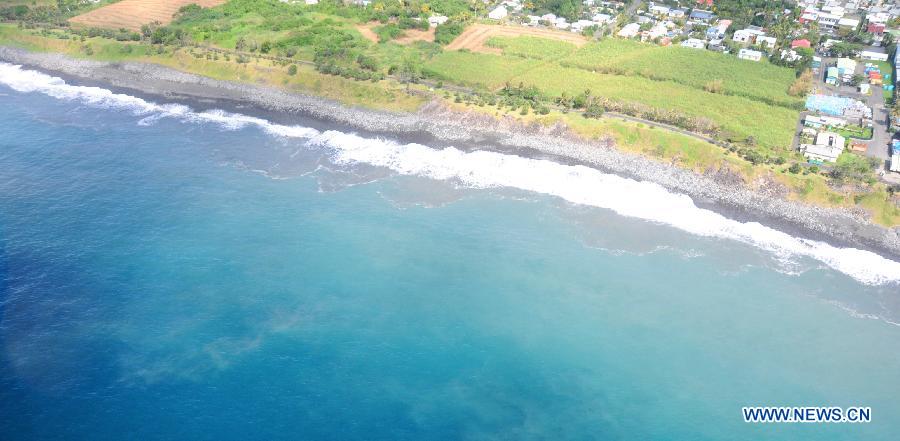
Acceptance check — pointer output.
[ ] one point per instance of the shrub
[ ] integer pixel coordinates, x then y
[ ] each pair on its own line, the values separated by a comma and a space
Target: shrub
292, 70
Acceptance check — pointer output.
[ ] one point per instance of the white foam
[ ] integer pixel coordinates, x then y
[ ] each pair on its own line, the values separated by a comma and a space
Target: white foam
484, 169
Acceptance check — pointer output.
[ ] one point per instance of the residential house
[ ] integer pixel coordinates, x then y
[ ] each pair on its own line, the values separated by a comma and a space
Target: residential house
718, 31
499, 13
848, 23
701, 16
659, 10
749, 54
800, 43
766, 41
694, 43
828, 22
677, 13
436, 20
629, 31
823, 153
871, 55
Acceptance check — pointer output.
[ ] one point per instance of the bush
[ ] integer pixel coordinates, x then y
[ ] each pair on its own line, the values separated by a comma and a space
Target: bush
447, 32
292, 70
795, 168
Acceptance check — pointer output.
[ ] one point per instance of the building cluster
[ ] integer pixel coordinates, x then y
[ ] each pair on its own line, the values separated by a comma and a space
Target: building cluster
596, 14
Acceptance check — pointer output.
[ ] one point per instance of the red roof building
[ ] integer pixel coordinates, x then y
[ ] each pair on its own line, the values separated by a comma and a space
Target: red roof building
799, 43
707, 3
875, 28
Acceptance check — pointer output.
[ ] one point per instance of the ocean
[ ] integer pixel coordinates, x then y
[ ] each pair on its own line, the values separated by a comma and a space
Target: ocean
173, 274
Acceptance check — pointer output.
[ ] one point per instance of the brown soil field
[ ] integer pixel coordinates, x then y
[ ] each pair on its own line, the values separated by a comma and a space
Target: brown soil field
131, 14
409, 35
475, 36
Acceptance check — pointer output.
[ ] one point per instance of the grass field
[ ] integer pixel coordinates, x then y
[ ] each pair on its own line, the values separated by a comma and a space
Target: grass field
536, 61
131, 14
478, 70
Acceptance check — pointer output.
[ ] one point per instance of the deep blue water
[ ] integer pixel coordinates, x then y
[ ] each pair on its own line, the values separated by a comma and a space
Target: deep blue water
177, 280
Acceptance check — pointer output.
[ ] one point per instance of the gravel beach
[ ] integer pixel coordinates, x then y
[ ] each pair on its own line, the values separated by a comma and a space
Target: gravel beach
437, 125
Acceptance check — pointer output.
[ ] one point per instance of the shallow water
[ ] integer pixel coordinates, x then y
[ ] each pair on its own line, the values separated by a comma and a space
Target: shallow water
174, 275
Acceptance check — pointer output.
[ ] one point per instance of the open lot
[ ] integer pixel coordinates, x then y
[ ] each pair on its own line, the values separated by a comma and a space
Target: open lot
409, 35
475, 37
131, 14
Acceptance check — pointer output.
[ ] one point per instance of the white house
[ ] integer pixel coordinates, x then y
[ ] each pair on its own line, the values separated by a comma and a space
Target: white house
629, 31
436, 20
848, 23
823, 153
694, 43
602, 18
830, 139
766, 41
877, 56
747, 36
659, 10
749, 54
499, 13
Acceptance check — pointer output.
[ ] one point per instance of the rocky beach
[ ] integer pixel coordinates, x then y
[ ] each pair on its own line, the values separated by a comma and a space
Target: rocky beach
437, 125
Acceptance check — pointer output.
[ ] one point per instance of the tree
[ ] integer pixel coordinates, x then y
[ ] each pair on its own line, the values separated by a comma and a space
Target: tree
856, 80
410, 70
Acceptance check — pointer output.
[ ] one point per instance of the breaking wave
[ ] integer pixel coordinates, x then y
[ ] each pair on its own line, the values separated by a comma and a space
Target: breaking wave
484, 169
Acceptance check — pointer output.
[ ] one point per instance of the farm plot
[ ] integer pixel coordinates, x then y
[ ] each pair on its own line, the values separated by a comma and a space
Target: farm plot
771, 126
475, 37
704, 70
131, 14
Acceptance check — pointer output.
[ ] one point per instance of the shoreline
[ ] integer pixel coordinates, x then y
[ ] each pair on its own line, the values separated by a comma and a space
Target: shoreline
437, 126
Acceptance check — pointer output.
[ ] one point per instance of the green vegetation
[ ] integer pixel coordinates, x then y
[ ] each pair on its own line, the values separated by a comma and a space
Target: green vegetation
757, 81
532, 47
479, 70
852, 131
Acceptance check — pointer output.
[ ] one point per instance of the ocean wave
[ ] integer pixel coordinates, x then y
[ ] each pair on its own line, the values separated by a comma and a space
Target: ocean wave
485, 169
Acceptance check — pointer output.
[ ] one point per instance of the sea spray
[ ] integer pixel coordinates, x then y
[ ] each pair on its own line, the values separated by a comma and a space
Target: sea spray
483, 169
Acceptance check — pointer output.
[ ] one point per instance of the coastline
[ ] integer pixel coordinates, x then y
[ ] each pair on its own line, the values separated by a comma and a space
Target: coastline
438, 126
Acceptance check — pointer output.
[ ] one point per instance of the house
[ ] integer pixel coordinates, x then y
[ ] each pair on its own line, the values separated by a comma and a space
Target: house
808, 17
828, 147
823, 121
875, 28
659, 10
846, 66
601, 19
677, 13
871, 55
694, 43
747, 36
749, 54
800, 43
830, 139
822, 153
766, 41
499, 13
848, 23
437, 20
832, 76
718, 31
828, 22
581, 25
701, 15
629, 31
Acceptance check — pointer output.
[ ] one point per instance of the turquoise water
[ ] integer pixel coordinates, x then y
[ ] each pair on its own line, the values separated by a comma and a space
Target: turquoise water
177, 278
